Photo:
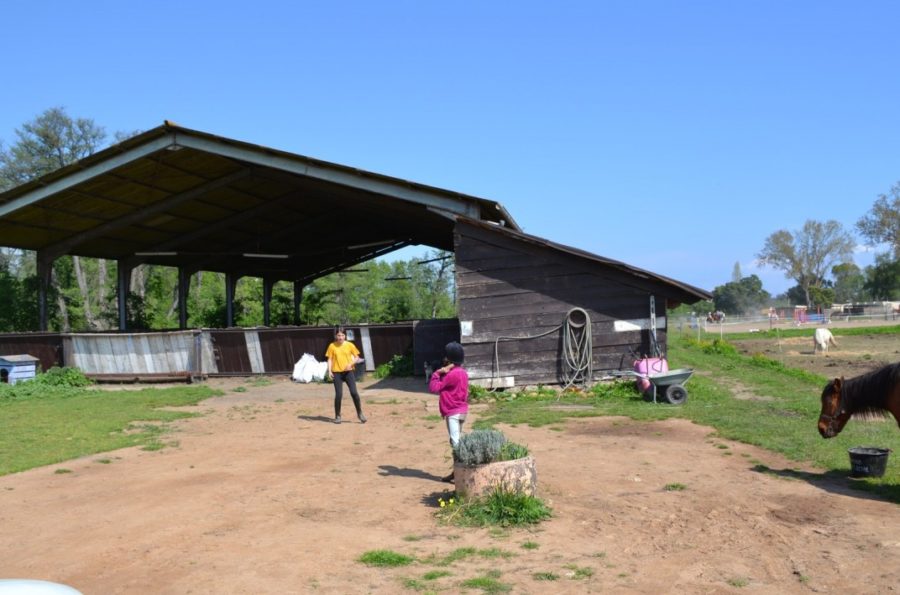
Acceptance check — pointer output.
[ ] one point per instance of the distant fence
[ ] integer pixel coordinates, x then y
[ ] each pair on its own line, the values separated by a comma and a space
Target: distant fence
224, 352
732, 322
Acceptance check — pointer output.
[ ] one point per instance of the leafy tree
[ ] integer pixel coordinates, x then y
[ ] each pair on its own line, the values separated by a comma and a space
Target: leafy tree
882, 223
51, 141
736, 275
806, 255
822, 297
741, 297
849, 283
883, 279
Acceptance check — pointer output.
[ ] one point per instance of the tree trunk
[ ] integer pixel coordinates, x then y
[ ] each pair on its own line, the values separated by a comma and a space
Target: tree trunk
139, 281
61, 303
102, 305
85, 293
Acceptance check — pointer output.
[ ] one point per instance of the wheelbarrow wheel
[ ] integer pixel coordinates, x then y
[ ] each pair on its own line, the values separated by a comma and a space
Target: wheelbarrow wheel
676, 394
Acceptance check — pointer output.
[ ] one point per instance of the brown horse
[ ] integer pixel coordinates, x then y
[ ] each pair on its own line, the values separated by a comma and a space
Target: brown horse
869, 395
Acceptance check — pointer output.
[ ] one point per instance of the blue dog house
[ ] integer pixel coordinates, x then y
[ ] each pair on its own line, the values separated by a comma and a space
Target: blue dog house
16, 368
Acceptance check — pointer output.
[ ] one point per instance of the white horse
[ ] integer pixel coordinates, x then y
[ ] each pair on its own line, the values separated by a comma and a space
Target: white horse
822, 339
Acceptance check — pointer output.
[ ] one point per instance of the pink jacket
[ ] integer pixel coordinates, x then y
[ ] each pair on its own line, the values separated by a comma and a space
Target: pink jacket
453, 388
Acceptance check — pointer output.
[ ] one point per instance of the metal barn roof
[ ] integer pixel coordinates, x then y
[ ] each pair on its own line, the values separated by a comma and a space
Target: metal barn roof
179, 197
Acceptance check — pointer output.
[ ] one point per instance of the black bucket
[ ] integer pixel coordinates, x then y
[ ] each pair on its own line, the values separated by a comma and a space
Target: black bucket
868, 461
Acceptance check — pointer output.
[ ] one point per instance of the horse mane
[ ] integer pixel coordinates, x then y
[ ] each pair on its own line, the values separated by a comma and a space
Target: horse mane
866, 395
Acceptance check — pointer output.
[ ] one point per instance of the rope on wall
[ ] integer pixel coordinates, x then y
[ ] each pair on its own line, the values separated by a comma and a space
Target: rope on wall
577, 364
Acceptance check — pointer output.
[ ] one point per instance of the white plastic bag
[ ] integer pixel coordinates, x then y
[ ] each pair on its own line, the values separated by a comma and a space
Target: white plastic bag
305, 368
319, 371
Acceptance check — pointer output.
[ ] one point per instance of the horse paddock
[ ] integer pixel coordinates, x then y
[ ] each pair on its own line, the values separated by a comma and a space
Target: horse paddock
263, 494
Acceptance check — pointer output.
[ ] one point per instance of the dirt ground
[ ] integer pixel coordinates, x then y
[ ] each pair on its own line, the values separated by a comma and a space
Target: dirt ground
263, 494
852, 356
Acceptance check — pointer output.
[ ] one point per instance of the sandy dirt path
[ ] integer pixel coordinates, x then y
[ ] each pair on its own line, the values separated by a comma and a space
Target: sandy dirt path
263, 494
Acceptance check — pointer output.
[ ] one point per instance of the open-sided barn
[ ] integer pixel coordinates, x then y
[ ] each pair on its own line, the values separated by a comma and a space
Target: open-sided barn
188, 199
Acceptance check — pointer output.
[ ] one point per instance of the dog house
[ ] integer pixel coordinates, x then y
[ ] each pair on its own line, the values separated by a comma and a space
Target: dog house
16, 368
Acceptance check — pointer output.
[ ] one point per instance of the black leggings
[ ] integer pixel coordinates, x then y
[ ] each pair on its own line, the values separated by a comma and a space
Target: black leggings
339, 379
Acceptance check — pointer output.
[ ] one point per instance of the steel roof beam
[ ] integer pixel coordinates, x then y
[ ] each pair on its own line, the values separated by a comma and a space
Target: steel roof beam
92, 171
56, 250
359, 181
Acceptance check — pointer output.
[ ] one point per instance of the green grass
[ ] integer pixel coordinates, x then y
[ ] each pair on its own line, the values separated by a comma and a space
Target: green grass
60, 425
545, 576
488, 583
500, 508
784, 421
386, 558
580, 572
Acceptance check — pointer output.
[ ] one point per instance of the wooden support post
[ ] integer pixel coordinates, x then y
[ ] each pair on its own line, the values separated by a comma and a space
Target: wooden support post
184, 287
44, 270
230, 284
298, 298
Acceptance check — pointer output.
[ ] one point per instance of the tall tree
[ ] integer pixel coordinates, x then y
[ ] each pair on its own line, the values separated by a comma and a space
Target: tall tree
808, 254
882, 223
49, 142
849, 283
736, 275
741, 297
883, 279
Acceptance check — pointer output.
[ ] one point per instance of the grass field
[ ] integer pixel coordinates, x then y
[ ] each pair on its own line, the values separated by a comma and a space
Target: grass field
748, 398
55, 424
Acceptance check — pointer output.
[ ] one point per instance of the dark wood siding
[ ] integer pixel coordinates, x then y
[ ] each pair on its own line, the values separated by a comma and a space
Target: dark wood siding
47, 347
510, 290
230, 351
431, 336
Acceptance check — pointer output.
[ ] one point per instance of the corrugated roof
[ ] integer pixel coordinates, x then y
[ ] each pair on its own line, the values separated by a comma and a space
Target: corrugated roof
180, 197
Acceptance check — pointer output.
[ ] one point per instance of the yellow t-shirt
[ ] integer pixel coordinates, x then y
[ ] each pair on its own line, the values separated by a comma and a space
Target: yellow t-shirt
341, 355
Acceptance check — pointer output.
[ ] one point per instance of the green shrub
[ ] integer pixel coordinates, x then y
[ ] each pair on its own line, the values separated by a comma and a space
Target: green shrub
480, 447
510, 451
400, 365
54, 383
487, 446
66, 376
477, 392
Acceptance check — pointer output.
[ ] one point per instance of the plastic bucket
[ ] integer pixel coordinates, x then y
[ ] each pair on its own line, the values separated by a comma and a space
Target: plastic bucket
868, 461
649, 366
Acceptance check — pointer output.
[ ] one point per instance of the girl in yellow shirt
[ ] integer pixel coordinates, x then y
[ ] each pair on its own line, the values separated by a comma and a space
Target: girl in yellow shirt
342, 355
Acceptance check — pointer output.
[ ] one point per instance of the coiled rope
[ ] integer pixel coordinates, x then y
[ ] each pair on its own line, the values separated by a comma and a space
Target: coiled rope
577, 348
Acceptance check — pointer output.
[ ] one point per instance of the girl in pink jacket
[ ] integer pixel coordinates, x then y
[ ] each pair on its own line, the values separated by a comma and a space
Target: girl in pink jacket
452, 384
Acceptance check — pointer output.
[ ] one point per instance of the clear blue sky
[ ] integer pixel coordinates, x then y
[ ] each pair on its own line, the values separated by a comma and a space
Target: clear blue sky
675, 136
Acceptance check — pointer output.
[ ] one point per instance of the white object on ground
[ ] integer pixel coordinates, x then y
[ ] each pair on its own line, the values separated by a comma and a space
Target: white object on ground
307, 369
24, 586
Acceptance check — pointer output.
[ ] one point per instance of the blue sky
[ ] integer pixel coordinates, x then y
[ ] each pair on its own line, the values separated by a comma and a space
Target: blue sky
675, 136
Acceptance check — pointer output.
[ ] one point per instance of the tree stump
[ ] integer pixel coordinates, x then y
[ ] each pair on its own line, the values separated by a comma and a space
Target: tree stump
517, 476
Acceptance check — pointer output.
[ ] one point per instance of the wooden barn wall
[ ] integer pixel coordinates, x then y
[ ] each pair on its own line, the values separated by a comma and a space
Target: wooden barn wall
224, 352
514, 289
118, 355
275, 351
47, 347
431, 336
